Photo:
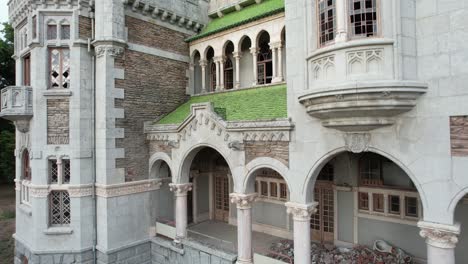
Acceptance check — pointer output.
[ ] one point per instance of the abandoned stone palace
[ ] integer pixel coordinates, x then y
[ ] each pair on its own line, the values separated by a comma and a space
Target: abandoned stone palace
211, 132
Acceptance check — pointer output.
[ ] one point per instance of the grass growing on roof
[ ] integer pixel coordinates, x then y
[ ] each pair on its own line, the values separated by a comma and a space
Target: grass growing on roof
243, 105
243, 16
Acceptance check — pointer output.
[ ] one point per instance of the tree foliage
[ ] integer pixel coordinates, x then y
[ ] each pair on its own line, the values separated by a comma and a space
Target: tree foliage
7, 130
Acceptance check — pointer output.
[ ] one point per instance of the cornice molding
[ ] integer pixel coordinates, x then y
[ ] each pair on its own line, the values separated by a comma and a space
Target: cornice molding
127, 188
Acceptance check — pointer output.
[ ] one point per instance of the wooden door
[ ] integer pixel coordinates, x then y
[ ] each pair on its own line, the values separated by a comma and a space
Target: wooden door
322, 222
221, 194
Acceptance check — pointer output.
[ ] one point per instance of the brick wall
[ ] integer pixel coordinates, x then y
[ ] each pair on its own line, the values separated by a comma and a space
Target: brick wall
459, 135
58, 121
153, 86
159, 146
276, 149
85, 27
151, 35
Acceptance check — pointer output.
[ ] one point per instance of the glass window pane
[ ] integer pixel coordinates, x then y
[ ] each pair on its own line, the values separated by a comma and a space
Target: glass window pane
51, 32
65, 32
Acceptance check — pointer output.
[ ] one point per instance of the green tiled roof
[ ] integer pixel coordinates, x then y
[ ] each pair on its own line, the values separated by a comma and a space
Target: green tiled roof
243, 16
263, 103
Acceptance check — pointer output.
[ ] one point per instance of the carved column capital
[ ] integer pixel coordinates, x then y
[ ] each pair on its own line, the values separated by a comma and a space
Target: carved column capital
180, 189
243, 201
203, 63
275, 45
237, 54
254, 51
301, 212
439, 235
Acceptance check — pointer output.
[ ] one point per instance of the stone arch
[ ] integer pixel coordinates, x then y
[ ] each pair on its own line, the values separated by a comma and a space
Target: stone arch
456, 199
156, 162
312, 175
226, 45
261, 34
206, 51
241, 41
194, 54
261, 163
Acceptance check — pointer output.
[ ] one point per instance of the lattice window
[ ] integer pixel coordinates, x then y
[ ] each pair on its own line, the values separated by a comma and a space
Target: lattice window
59, 203
53, 171
228, 74
65, 32
411, 204
66, 171
363, 201
51, 32
394, 204
328, 210
315, 218
264, 65
363, 17
327, 23
378, 202
264, 188
273, 189
59, 68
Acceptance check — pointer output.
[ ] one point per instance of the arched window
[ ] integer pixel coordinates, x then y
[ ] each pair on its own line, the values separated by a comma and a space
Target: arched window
228, 74
264, 66
26, 167
213, 76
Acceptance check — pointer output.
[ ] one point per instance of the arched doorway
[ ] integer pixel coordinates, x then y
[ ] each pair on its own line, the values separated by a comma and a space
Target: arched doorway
212, 75
365, 197
228, 66
197, 73
461, 216
212, 183
246, 67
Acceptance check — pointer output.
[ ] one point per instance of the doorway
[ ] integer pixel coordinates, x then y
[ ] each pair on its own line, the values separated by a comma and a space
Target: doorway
221, 193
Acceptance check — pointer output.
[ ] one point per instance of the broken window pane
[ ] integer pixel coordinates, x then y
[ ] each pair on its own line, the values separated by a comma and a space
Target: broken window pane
363, 17
327, 24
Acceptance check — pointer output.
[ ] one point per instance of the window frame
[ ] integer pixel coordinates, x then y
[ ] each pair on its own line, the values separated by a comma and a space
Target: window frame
26, 61
228, 74
61, 56
63, 222
330, 42
349, 28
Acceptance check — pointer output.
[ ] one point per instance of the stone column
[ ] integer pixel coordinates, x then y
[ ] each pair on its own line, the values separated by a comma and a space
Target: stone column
280, 62
301, 216
237, 56
273, 61
254, 52
341, 18
216, 61
277, 62
203, 64
59, 170
244, 226
441, 240
180, 192
221, 73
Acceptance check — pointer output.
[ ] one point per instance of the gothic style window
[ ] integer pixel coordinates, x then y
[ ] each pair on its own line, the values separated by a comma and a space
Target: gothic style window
264, 65
370, 171
327, 24
65, 32
26, 166
213, 76
27, 70
34, 27
363, 17
53, 171
51, 31
59, 202
228, 74
59, 68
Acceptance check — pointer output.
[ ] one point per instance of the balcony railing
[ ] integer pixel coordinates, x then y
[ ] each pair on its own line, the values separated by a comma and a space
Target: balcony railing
16, 103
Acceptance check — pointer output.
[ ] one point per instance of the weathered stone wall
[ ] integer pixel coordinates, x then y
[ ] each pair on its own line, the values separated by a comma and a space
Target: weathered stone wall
152, 35
164, 253
273, 149
459, 135
63, 258
139, 254
159, 146
58, 121
85, 27
153, 86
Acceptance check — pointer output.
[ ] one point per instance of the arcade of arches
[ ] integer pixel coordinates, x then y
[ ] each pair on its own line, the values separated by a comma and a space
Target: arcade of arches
358, 198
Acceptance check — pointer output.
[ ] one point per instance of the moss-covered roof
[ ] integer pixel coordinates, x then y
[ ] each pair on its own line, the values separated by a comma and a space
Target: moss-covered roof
263, 103
243, 16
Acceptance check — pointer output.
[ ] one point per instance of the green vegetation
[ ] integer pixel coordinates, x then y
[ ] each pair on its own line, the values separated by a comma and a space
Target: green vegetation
7, 215
7, 64
244, 16
263, 103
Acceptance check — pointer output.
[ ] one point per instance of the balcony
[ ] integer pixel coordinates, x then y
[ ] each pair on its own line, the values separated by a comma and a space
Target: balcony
358, 86
16, 103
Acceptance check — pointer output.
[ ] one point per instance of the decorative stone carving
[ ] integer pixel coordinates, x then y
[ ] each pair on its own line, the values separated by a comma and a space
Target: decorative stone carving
236, 145
180, 189
127, 188
243, 201
323, 68
22, 125
357, 142
439, 235
38, 191
108, 50
301, 212
80, 191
